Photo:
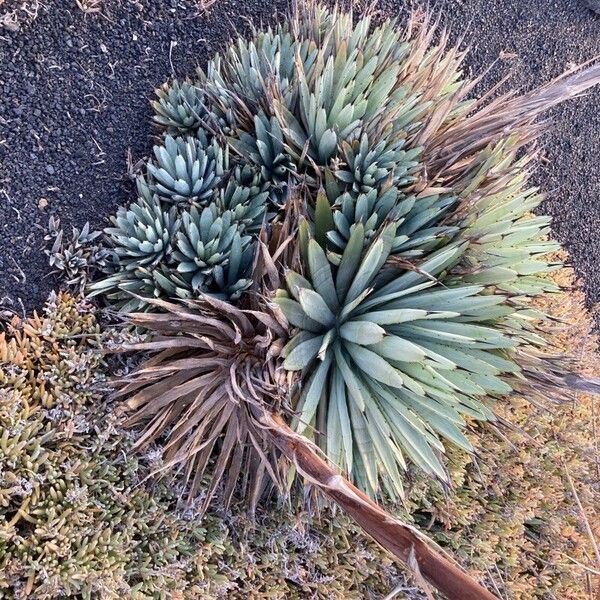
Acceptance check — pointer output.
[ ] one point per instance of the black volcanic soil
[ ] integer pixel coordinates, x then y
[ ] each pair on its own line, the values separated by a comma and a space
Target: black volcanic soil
74, 92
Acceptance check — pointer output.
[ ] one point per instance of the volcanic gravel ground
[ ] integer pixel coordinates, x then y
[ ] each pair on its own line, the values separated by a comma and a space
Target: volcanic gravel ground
75, 90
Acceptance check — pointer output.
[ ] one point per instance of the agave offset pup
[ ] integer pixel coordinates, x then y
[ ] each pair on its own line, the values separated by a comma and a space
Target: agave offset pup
351, 241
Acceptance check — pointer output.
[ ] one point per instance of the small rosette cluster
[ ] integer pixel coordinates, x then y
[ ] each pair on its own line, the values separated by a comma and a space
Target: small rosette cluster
192, 229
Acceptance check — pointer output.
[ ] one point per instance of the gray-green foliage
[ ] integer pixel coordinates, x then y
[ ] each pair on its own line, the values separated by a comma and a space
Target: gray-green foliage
246, 196
211, 250
185, 169
393, 360
411, 302
192, 229
180, 106
418, 253
265, 149
398, 364
142, 233
77, 257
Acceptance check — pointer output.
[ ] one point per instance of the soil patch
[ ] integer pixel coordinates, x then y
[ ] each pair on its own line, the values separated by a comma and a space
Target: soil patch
74, 105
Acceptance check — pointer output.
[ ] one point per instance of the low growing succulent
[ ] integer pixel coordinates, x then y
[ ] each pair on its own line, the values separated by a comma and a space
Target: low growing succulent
50, 358
179, 107
78, 258
74, 520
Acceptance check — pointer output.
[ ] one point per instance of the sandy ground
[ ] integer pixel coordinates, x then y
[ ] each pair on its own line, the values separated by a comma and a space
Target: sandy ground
74, 93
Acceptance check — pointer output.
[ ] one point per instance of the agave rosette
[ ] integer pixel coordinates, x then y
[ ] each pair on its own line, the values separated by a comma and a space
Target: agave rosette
391, 367
212, 249
415, 253
185, 169
179, 106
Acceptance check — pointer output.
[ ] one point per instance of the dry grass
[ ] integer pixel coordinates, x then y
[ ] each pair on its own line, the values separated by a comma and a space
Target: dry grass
204, 6
15, 15
89, 6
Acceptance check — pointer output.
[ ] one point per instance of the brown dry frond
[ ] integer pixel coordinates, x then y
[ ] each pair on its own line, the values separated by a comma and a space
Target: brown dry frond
278, 251
510, 113
214, 364
458, 128
214, 368
427, 561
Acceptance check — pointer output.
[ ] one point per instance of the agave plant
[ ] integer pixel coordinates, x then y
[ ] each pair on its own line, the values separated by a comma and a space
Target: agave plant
131, 289
142, 233
415, 235
213, 432
186, 169
204, 253
236, 82
190, 231
211, 250
141, 243
347, 158
246, 197
264, 147
180, 106
391, 367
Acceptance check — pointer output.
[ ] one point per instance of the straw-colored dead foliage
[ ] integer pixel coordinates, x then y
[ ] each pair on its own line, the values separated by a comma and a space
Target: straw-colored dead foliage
214, 367
15, 14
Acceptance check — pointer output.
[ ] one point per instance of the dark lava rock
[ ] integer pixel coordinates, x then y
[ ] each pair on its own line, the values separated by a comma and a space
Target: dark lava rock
593, 5
75, 91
